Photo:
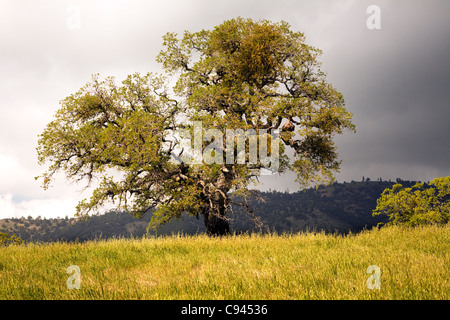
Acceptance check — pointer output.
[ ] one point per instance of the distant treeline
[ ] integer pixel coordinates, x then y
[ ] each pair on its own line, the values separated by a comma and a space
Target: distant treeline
341, 207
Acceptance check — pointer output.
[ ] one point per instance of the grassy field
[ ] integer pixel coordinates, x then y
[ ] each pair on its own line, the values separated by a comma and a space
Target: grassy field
414, 263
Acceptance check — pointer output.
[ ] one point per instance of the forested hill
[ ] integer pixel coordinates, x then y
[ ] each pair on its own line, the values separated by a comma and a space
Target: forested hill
341, 207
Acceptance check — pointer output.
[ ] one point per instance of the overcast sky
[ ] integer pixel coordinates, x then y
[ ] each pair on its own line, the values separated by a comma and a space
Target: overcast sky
395, 80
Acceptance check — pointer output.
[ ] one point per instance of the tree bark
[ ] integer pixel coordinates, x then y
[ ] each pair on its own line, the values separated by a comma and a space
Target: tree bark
214, 214
216, 200
216, 224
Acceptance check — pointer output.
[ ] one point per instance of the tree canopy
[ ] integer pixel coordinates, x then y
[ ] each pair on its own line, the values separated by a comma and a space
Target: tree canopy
7, 239
417, 205
256, 79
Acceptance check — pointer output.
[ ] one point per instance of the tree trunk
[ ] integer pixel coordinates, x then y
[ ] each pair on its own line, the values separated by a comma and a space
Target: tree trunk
214, 213
214, 216
215, 225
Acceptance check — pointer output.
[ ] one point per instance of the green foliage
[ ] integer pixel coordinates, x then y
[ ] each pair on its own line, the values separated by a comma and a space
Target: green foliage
417, 205
243, 74
7, 239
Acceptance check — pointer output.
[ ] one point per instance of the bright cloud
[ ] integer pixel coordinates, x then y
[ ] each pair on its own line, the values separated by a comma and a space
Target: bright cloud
49, 208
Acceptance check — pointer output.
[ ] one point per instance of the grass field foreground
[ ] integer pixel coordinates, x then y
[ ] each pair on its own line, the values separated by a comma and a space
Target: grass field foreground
414, 264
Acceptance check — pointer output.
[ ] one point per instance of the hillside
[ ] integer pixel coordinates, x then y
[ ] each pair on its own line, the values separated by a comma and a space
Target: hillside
341, 207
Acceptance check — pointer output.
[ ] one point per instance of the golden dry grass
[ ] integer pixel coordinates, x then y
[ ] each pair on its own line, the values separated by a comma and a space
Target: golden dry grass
414, 264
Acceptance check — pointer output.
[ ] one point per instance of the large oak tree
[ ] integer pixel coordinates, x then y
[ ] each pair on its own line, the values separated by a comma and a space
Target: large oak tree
242, 75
